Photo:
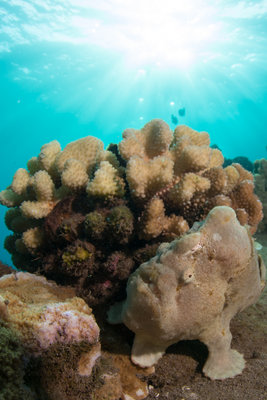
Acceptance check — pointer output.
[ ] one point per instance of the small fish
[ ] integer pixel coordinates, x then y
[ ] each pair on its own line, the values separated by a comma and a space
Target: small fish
181, 112
174, 120
215, 146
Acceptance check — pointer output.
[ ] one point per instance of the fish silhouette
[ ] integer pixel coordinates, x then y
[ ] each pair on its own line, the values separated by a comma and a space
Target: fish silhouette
181, 112
174, 119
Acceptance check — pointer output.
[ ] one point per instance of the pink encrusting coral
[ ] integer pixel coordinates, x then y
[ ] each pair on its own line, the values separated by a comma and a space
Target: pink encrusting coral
62, 324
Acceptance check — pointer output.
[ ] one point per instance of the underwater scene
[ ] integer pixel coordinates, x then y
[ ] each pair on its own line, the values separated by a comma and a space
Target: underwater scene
133, 200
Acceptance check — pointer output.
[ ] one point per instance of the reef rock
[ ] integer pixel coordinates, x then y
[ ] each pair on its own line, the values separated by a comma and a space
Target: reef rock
43, 314
191, 290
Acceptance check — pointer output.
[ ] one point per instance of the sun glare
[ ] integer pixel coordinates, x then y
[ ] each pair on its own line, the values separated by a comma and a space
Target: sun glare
163, 33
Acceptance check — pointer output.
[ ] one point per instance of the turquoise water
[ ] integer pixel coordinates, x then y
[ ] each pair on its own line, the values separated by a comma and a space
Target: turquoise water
74, 68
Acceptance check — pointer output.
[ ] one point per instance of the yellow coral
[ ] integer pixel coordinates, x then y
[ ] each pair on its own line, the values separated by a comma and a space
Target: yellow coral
194, 158
218, 200
189, 185
157, 137
242, 216
146, 178
9, 198
37, 209
243, 173
190, 151
233, 176
149, 142
216, 158
153, 219
179, 168
193, 137
154, 222
176, 225
86, 150
20, 181
74, 175
107, 155
106, 182
48, 154
243, 197
43, 186
34, 165
131, 145
218, 180
33, 238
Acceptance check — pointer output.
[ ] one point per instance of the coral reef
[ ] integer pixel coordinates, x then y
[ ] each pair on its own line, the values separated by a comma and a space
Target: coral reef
191, 290
260, 179
88, 217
